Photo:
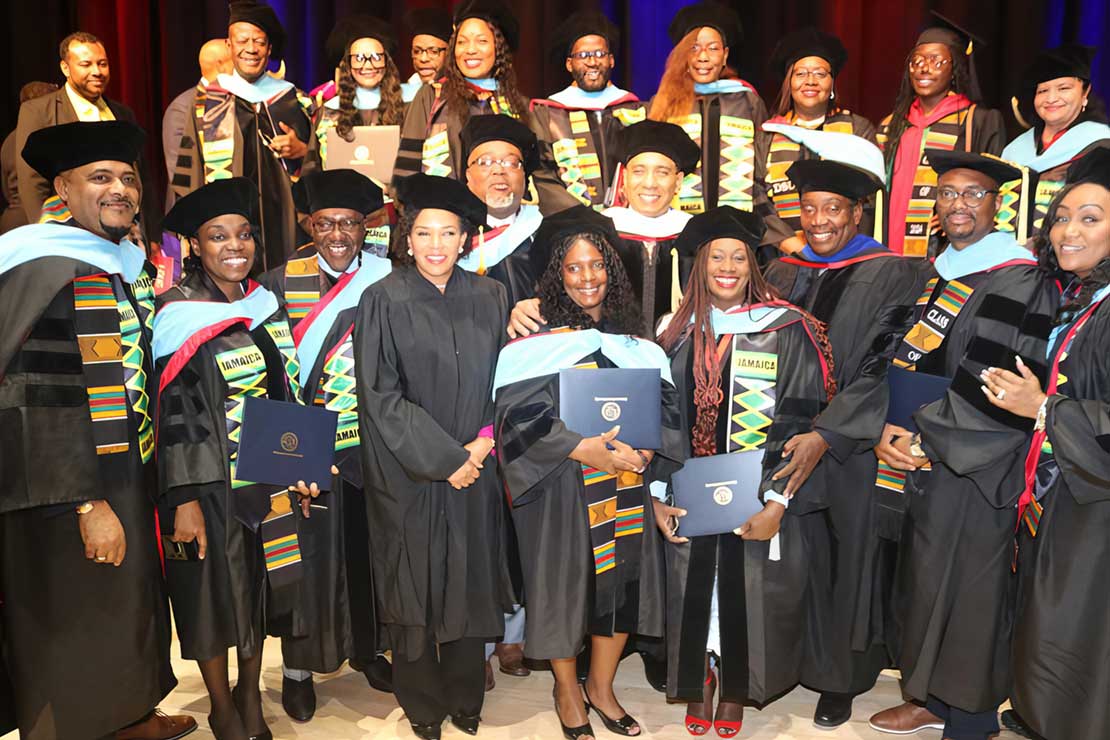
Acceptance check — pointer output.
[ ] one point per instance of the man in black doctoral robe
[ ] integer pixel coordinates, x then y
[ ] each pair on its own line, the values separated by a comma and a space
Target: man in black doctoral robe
985, 304
859, 288
85, 619
333, 617
250, 124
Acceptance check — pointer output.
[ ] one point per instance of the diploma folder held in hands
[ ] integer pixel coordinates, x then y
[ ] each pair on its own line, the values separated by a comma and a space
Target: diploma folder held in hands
909, 391
282, 443
593, 401
718, 492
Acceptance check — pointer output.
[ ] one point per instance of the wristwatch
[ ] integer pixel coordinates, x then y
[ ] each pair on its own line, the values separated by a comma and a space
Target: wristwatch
915, 446
84, 508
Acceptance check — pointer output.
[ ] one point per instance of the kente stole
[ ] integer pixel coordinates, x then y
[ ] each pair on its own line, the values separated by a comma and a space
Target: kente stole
785, 152
576, 153
436, 150
302, 287
737, 164
336, 390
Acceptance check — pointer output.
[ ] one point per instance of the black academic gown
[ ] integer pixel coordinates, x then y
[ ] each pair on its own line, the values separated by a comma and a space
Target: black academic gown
954, 586
219, 602
86, 645
331, 617
1062, 636
424, 363
862, 300
566, 600
767, 617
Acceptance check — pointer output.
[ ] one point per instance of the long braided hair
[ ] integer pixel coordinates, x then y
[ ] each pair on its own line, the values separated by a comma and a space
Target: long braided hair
1081, 292
693, 319
961, 84
619, 308
458, 94
391, 109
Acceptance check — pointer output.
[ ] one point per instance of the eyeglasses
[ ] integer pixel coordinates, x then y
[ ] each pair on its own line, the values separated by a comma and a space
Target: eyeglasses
972, 196
431, 51
592, 54
713, 48
325, 226
508, 163
361, 60
818, 75
936, 62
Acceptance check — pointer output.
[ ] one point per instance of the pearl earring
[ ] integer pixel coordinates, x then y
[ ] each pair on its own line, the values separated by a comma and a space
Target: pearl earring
410, 253
1084, 104
460, 250
832, 95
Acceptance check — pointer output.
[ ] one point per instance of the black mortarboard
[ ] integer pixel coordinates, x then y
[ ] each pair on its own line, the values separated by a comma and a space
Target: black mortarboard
722, 222
263, 16
1094, 166
322, 189
707, 13
577, 25
1069, 60
420, 191
55, 149
355, 27
943, 30
495, 12
828, 176
431, 21
996, 168
577, 219
808, 42
480, 129
237, 195
667, 139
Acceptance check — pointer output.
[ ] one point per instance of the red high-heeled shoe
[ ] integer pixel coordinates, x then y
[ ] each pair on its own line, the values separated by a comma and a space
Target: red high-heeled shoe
728, 728
697, 726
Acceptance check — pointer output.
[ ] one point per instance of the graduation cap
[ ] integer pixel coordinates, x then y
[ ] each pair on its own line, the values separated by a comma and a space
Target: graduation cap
577, 25
420, 191
480, 129
827, 176
1094, 167
577, 219
1069, 60
495, 12
429, 21
707, 13
808, 42
722, 222
996, 168
52, 150
667, 139
943, 30
260, 15
237, 195
354, 27
322, 189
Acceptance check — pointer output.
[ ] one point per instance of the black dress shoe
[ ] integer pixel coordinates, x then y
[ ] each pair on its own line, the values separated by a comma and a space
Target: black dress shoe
426, 732
832, 710
298, 698
379, 674
469, 725
1013, 722
655, 671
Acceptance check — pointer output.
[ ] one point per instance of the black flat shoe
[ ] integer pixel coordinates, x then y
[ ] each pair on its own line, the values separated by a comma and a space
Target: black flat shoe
622, 726
832, 710
298, 698
469, 725
379, 674
655, 671
1013, 722
573, 733
426, 732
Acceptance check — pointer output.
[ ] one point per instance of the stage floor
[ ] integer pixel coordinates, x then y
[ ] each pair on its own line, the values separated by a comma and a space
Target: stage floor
519, 709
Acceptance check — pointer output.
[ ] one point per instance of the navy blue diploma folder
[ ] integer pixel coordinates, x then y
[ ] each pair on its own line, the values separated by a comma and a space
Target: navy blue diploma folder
282, 443
719, 492
909, 391
593, 401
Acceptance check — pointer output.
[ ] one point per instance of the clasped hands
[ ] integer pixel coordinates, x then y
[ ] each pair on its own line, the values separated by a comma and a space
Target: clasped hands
479, 449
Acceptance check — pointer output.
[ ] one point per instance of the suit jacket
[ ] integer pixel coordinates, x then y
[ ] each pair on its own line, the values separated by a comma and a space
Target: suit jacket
174, 122
55, 109
12, 215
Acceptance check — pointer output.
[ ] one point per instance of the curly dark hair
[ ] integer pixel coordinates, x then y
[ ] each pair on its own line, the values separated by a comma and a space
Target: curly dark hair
391, 109
961, 84
399, 247
458, 95
619, 308
1079, 291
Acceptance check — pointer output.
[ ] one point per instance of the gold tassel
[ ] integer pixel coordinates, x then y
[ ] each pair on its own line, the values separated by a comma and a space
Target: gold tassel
481, 250
676, 287
879, 215
1023, 210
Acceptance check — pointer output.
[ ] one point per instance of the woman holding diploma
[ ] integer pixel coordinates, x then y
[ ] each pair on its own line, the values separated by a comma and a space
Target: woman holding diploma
220, 338
591, 568
426, 340
752, 372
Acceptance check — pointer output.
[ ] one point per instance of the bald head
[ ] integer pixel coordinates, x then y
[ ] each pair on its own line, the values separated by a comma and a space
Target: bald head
214, 59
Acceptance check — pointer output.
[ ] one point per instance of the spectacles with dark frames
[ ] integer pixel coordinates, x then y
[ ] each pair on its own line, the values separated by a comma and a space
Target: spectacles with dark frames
361, 60
593, 53
431, 51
